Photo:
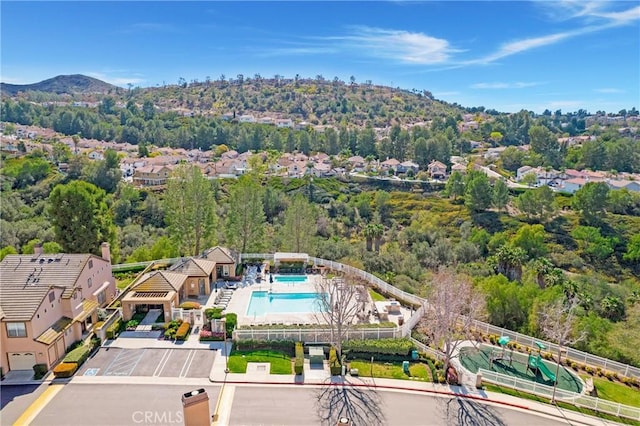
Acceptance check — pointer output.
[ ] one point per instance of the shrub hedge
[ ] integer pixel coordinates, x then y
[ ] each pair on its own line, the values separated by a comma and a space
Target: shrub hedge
114, 329
78, 355
379, 347
231, 322
189, 305
183, 331
39, 370
285, 346
208, 335
65, 369
298, 366
213, 313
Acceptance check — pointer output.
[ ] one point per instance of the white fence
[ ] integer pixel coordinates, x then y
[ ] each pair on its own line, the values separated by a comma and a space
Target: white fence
573, 398
315, 335
113, 317
125, 266
424, 348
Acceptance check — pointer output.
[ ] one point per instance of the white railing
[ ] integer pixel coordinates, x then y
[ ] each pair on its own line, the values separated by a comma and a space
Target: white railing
579, 400
427, 349
124, 266
573, 354
115, 315
315, 335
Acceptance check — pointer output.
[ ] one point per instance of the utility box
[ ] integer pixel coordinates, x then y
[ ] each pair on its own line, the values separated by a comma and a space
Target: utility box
195, 407
405, 367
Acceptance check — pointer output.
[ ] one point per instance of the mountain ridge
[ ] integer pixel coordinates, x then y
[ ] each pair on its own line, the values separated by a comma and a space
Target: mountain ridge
62, 84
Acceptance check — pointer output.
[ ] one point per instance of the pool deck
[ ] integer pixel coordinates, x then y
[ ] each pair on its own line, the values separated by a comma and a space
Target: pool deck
242, 296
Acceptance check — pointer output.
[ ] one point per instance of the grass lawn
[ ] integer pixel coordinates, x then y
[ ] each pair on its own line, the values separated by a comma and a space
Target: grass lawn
513, 392
280, 363
617, 392
123, 280
377, 297
392, 370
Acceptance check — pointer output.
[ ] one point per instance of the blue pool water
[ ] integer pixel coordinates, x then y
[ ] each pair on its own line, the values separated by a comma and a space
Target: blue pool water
263, 303
290, 278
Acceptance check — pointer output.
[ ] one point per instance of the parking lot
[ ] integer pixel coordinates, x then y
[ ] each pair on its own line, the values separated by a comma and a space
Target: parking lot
192, 363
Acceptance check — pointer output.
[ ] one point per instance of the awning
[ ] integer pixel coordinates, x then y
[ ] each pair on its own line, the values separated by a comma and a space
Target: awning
52, 334
102, 287
88, 307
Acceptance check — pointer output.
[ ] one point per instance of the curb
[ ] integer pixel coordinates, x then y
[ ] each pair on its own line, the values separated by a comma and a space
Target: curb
406, 389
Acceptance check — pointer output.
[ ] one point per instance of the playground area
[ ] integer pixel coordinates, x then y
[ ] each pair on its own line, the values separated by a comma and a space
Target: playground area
523, 366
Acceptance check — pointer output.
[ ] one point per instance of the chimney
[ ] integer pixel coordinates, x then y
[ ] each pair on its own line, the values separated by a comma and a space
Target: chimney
37, 249
106, 252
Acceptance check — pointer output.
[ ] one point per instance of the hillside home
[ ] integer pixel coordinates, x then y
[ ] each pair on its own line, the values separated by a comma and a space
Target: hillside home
247, 118
572, 185
357, 163
152, 175
48, 302
405, 166
437, 170
225, 261
390, 164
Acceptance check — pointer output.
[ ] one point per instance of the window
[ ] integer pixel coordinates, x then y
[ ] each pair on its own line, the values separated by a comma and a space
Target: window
16, 329
102, 298
90, 263
89, 283
52, 296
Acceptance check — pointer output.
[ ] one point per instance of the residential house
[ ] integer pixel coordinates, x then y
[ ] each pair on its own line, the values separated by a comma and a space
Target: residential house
152, 175
629, 185
266, 120
322, 170
95, 155
460, 168
247, 118
48, 302
390, 164
437, 170
405, 166
284, 123
357, 163
572, 185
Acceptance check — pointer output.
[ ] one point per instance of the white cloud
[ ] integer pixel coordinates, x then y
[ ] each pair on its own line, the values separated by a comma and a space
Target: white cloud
403, 46
609, 90
504, 85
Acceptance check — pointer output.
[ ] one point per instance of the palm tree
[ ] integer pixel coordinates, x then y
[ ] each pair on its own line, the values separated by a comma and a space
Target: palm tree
369, 232
378, 232
508, 261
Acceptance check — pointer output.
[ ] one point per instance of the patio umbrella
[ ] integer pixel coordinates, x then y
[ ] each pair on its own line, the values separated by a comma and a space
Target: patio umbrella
270, 278
503, 340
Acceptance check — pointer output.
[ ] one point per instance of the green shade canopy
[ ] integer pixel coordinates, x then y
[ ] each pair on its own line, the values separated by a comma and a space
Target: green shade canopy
540, 345
503, 340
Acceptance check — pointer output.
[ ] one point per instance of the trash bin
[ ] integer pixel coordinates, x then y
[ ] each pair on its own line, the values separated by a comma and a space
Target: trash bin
400, 320
405, 367
195, 406
414, 355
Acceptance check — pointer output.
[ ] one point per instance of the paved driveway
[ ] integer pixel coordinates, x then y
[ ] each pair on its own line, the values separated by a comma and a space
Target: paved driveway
193, 363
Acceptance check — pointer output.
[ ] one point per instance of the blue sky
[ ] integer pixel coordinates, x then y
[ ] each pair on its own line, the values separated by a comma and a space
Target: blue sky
507, 55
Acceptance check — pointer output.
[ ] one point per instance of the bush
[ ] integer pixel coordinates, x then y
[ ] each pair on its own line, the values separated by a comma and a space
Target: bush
285, 346
132, 324
114, 329
39, 370
189, 305
183, 331
78, 355
380, 346
213, 313
65, 369
298, 367
334, 362
231, 322
208, 335
98, 325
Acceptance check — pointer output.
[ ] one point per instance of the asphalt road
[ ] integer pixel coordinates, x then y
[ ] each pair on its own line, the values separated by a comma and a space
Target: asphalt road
102, 404
16, 399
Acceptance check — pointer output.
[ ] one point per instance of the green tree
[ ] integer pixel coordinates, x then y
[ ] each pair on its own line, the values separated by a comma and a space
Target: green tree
478, 192
7, 250
612, 308
512, 158
530, 238
246, 219
455, 185
190, 209
633, 249
508, 261
545, 143
592, 243
80, 217
300, 225
536, 204
508, 303
500, 196
591, 201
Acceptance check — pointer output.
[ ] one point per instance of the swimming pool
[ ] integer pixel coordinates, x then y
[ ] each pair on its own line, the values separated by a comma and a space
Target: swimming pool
263, 303
290, 278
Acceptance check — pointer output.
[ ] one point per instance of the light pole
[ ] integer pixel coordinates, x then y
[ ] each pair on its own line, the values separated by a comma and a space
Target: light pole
555, 383
226, 348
